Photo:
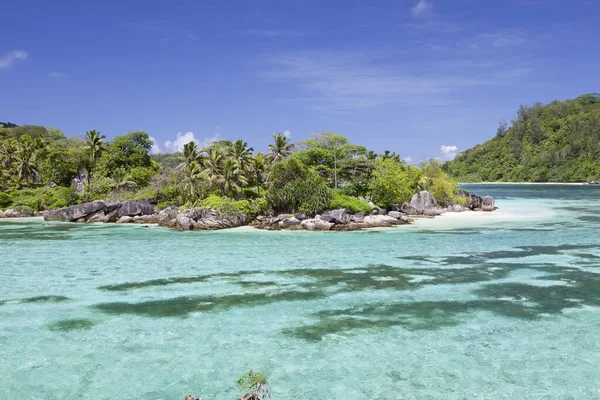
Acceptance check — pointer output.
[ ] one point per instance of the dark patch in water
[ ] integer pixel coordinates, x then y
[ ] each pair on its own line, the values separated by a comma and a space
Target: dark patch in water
420, 315
183, 306
256, 285
482, 258
585, 209
44, 299
589, 218
460, 231
73, 324
512, 300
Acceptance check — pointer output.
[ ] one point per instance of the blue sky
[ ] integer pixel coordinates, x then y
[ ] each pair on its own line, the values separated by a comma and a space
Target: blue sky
410, 76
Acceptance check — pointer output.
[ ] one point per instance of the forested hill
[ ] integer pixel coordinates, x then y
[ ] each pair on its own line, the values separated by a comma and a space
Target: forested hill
557, 142
8, 125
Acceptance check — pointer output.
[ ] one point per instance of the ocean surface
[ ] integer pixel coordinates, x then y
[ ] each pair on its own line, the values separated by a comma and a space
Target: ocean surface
502, 305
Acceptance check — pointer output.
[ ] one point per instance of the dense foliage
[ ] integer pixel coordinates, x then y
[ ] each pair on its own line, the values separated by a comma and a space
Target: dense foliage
41, 169
557, 142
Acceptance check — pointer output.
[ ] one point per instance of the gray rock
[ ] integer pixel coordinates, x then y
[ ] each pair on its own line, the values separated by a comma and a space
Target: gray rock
423, 200
124, 219
374, 221
434, 211
463, 193
183, 223
316, 224
377, 210
457, 208
357, 218
215, 219
300, 215
337, 216
79, 186
146, 219
289, 222
136, 207
488, 203
73, 213
97, 217
395, 214
475, 202
166, 215
410, 210
112, 216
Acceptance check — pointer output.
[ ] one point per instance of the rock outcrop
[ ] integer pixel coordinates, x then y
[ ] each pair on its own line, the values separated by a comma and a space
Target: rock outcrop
316, 224
475, 202
422, 203
12, 213
338, 216
100, 211
203, 219
488, 204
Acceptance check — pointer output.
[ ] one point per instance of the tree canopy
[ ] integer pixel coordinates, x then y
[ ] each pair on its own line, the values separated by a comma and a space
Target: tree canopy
39, 164
556, 142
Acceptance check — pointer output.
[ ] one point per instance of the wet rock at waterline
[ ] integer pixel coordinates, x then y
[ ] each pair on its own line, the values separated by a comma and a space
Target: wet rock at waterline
100, 211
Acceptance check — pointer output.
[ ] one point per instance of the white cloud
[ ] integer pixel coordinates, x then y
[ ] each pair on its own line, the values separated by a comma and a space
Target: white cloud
210, 140
11, 57
407, 160
422, 8
181, 140
500, 39
155, 146
341, 82
56, 74
448, 152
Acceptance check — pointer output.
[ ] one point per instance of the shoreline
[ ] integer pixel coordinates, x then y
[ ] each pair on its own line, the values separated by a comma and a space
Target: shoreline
528, 183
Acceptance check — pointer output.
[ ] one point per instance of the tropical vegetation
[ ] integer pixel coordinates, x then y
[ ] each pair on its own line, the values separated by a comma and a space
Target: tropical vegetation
556, 142
41, 169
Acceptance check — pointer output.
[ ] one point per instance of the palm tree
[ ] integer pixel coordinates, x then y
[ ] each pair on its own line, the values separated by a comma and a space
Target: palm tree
94, 143
7, 155
193, 176
232, 179
259, 167
213, 165
388, 155
121, 180
25, 162
241, 155
191, 154
281, 147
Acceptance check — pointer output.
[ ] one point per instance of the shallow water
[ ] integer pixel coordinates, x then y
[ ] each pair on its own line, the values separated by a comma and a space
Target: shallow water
501, 305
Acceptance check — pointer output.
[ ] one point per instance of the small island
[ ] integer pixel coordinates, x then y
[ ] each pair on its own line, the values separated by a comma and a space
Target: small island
322, 183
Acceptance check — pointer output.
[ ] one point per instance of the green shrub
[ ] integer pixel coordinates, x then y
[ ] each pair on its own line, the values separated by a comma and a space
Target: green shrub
260, 206
293, 187
439, 184
226, 205
45, 198
5, 200
393, 183
144, 193
353, 204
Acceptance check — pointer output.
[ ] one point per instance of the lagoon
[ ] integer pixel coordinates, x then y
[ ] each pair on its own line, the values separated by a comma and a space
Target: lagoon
498, 305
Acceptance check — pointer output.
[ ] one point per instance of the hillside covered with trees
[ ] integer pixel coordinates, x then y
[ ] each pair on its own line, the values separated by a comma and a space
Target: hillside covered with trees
557, 142
42, 169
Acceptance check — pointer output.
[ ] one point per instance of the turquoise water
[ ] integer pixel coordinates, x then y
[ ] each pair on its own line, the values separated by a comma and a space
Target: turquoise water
501, 305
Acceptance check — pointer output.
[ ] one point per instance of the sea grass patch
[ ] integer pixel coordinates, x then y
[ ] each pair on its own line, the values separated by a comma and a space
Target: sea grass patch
72, 324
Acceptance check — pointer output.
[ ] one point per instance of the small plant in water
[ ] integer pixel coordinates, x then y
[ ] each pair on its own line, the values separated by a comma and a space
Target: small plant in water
254, 385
